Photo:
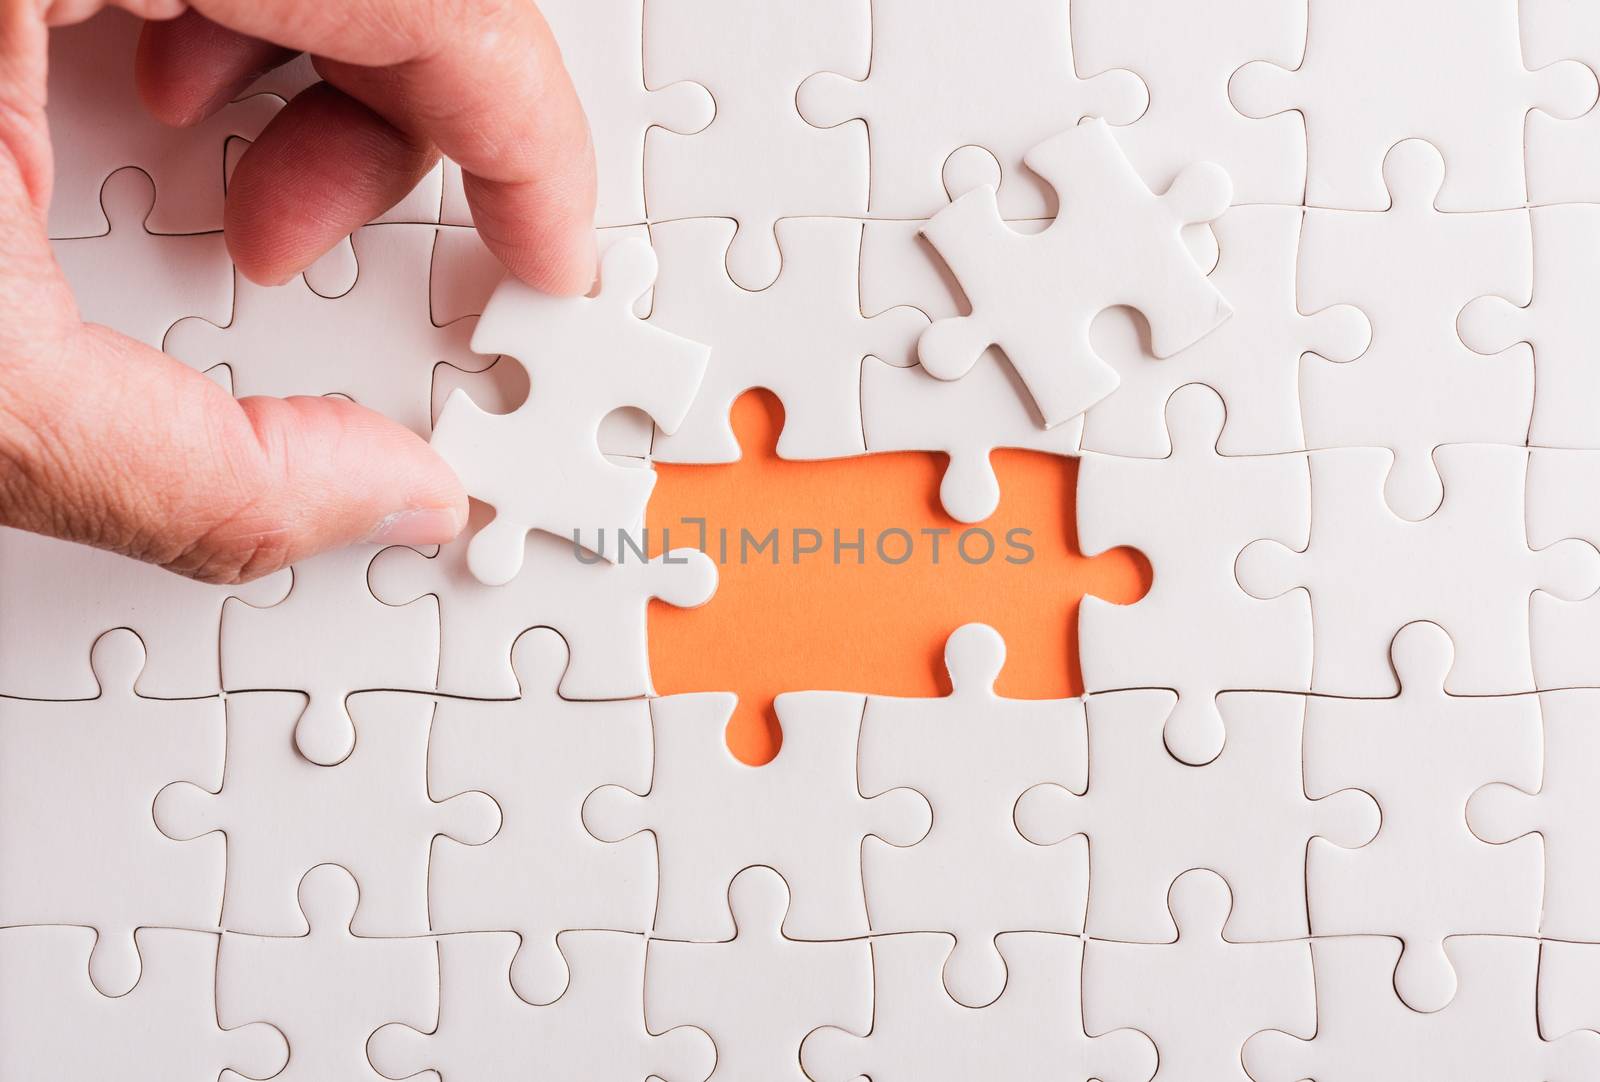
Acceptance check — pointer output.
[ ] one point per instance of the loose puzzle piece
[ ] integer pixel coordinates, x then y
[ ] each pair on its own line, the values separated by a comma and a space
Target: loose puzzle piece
1158, 989
53, 1024
758, 161
1486, 1034
905, 409
1370, 573
77, 779
1563, 503
1033, 1031
803, 338
98, 125
803, 814
1562, 156
1560, 323
1252, 361
543, 872
595, 1030
330, 638
1113, 242
602, 46
1185, 53
1018, 87
1564, 810
1421, 755
57, 598
465, 274
972, 754
1195, 631
177, 276
288, 339
1569, 989
283, 815
1412, 269
599, 608
327, 990
1374, 74
759, 992
1150, 818
587, 356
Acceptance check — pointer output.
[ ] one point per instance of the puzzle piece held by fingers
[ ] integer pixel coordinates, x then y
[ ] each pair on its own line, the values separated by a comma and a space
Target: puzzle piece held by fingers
587, 356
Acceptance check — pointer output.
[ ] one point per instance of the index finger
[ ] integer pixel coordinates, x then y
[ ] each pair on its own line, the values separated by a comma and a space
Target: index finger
482, 80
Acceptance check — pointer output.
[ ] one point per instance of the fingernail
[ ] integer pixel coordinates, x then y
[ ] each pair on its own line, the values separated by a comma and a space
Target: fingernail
419, 526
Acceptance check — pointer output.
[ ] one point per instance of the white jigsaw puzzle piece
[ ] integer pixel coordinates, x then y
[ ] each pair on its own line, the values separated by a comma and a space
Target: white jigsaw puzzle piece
1563, 501
465, 274
283, 815
587, 356
1374, 73
1424, 876
329, 638
1488, 1033
1114, 242
1477, 536
1200, 997
759, 992
1562, 155
803, 814
1412, 269
1564, 811
972, 754
53, 1024
804, 337
595, 1030
77, 779
543, 873
1017, 87
1150, 818
758, 161
1185, 53
1196, 631
1035, 1029
1559, 323
327, 990
602, 45
139, 282
57, 598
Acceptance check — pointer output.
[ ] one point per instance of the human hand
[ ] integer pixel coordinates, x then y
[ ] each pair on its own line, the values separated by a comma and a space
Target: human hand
106, 441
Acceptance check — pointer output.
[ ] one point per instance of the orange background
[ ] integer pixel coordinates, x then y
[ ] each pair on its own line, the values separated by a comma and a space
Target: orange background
870, 627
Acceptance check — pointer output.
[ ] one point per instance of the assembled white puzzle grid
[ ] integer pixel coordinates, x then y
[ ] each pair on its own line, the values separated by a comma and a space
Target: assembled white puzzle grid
1330, 808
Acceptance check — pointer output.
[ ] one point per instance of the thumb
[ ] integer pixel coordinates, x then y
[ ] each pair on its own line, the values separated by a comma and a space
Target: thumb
109, 442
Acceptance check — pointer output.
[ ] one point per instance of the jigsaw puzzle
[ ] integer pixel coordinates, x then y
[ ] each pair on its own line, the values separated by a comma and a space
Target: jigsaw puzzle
1305, 288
